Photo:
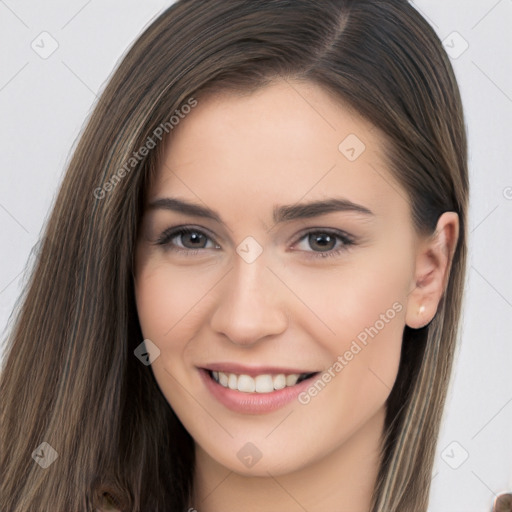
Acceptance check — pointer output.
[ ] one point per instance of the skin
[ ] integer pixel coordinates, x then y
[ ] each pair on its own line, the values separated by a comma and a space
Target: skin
241, 155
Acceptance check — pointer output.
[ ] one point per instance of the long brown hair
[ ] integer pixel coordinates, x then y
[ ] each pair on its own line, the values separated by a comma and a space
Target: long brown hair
70, 377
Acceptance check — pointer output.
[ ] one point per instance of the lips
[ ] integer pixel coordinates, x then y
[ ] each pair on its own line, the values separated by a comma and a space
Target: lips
260, 379
260, 400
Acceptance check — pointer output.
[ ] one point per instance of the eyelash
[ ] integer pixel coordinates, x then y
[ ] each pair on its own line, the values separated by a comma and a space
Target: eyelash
171, 233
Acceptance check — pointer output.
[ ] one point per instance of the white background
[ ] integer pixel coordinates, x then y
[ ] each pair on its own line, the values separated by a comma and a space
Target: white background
44, 102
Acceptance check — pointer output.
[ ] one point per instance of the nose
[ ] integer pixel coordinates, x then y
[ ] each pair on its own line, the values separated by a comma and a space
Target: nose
250, 304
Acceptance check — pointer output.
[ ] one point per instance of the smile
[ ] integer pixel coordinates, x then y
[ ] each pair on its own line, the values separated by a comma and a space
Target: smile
265, 390
265, 383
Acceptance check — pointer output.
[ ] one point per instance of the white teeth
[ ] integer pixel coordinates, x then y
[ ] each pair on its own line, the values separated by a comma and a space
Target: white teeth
259, 384
246, 384
279, 381
264, 383
232, 381
223, 379
292, 379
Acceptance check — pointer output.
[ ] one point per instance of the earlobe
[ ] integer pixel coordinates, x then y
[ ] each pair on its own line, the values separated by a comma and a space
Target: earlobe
418, 317
433, 263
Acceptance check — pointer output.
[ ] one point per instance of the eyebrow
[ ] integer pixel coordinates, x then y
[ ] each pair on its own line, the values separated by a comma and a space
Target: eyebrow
281, 213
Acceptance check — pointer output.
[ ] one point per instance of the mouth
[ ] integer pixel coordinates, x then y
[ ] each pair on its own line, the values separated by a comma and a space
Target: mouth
259, 383
254, 389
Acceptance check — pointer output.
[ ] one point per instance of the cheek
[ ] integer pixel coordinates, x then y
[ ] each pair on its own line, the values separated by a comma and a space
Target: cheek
168, 301
167, 307
364, 356
156, 307
362, 298
363, 306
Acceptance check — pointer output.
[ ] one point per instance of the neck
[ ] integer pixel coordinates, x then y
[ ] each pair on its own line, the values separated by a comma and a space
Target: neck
343, 480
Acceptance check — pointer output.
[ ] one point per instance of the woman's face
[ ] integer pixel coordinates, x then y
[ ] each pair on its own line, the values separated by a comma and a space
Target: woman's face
268, 285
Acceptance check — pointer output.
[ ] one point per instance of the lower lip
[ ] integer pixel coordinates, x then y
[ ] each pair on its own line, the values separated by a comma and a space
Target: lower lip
253, 403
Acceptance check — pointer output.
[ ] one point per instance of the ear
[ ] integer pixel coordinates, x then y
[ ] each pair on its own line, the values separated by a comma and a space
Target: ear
433, 263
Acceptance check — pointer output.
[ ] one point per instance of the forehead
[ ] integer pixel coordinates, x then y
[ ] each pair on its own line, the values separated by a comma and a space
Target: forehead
284, 142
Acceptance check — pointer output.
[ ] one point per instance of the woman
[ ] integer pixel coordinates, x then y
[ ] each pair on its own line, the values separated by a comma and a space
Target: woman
194, 340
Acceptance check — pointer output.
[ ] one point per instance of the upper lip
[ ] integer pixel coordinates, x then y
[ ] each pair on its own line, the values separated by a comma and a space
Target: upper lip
253, 371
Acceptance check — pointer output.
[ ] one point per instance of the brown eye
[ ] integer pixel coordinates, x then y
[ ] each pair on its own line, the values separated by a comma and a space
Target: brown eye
185, 239
194, 238
322, 241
